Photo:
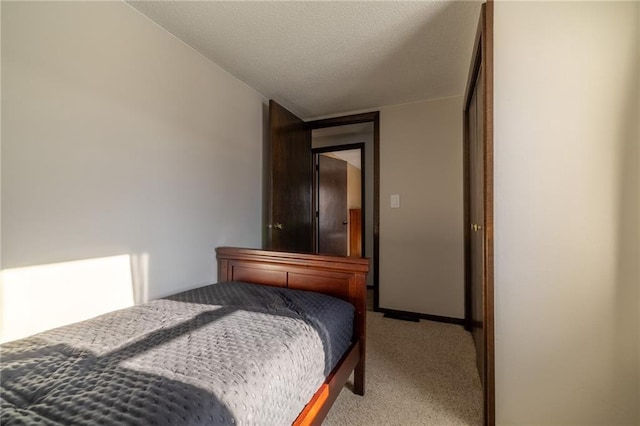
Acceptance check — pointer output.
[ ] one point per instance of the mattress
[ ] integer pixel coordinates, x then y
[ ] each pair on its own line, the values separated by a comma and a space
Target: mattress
230, 353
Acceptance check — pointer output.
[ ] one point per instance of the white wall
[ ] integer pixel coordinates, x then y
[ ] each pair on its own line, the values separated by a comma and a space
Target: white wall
119, 139
567, 213
421, 243
0, 154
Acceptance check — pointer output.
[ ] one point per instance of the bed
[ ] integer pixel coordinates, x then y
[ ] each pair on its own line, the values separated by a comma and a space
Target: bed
273, 342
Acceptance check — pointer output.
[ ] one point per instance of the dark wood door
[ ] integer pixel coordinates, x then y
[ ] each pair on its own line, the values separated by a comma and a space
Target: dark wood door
476, 184
290, 169
478, 214
332, 206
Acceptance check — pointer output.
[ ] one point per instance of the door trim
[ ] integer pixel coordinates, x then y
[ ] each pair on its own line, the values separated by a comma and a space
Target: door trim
367, 117
482, 56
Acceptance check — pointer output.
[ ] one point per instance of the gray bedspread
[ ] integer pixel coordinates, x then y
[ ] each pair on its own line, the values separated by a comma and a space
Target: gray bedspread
231, 353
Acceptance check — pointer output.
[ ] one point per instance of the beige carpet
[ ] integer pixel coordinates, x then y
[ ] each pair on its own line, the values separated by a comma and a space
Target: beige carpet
417, 374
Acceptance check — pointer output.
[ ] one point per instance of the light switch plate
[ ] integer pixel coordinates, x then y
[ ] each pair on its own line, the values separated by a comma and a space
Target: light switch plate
395, 201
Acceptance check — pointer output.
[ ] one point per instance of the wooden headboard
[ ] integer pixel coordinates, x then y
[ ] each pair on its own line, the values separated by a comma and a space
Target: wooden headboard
342, 277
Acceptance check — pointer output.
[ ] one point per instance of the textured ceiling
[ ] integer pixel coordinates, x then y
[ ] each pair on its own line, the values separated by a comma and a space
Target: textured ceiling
323, 58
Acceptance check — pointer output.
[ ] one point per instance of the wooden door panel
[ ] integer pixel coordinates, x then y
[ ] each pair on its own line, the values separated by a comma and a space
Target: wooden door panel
332, 206
355, 232
290, 173
478, 146
476, 120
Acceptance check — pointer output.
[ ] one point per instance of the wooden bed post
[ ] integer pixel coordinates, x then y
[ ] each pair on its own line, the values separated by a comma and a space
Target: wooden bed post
359, 289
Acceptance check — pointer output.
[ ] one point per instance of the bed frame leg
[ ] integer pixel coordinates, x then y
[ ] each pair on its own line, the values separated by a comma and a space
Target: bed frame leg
358, 379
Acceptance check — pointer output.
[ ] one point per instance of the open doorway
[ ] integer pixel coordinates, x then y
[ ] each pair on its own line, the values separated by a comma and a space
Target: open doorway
338, 200
338, 136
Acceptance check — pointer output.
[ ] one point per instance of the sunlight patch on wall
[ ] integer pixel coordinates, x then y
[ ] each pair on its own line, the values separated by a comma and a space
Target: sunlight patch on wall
140, 277
38, 298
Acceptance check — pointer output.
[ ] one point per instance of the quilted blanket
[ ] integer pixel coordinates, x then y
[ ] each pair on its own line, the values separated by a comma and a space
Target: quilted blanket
230, 353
